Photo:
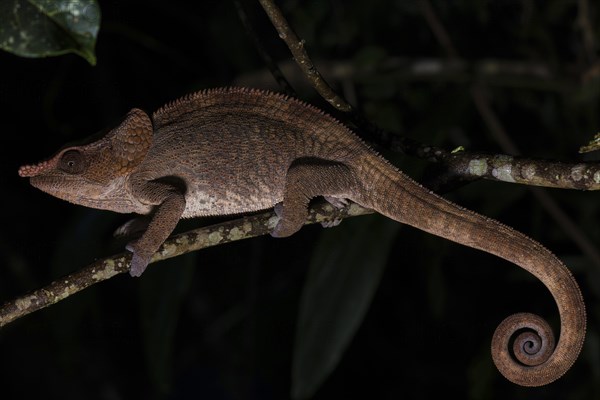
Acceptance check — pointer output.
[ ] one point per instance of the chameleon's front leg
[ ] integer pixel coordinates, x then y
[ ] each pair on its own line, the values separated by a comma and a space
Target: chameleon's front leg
171, 204
304, 181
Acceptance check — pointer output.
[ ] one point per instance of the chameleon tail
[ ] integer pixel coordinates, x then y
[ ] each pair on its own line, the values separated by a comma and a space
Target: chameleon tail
529, 358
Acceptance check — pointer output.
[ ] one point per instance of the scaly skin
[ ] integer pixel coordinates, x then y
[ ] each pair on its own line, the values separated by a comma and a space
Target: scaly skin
230, 151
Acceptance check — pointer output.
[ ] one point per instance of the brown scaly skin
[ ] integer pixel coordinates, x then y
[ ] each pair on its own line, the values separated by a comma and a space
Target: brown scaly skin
230, 151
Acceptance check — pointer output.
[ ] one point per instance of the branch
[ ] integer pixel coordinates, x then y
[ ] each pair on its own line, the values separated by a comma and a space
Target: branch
101, 270
492, 72
464, 164
471, 165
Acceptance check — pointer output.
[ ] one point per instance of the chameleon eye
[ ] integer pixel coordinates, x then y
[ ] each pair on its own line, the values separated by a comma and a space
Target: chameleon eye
72, 162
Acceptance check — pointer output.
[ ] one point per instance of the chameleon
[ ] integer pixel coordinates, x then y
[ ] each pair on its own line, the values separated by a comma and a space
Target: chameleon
229, 151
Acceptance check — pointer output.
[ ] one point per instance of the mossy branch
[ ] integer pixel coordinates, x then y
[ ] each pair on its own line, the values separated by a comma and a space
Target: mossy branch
101, 270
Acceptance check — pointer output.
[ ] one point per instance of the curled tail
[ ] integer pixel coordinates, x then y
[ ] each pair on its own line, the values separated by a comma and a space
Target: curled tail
523, 347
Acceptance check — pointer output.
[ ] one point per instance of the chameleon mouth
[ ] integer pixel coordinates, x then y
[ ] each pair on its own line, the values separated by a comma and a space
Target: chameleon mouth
89, 194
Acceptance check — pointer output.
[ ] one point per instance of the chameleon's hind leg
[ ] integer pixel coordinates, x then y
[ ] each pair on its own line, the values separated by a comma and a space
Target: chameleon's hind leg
305, 180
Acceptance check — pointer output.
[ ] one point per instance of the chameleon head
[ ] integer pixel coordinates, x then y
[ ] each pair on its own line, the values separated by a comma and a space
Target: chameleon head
95, 174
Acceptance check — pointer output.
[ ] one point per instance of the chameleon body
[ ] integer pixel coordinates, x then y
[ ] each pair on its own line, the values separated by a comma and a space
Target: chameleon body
231, 151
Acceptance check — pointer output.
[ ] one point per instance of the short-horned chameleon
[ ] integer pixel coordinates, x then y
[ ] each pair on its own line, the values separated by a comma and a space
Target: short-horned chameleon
230, 151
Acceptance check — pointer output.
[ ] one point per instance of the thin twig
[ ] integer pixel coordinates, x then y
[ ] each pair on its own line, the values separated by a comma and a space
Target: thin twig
296, 46
493, 72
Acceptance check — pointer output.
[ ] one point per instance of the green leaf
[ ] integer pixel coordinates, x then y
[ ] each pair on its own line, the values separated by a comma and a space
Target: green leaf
42, 28
344, 274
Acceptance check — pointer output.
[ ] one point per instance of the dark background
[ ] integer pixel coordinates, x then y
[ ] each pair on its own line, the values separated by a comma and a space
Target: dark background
232, 308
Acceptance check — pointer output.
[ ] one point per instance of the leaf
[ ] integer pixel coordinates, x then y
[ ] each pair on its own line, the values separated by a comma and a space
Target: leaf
42, 28
344, 274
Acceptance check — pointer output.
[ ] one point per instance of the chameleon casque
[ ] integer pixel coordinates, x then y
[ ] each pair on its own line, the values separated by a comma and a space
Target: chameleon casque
235, 150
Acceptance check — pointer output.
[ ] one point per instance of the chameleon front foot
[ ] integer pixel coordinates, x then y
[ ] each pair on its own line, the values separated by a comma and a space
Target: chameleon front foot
139, 260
